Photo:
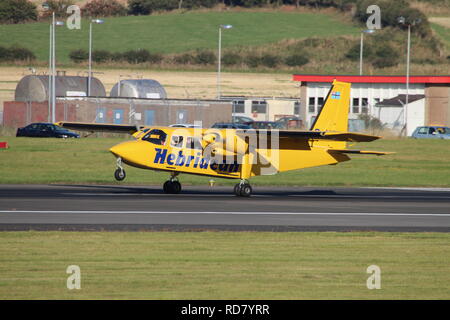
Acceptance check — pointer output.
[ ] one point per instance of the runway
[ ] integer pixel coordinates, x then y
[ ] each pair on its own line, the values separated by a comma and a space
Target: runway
133, 208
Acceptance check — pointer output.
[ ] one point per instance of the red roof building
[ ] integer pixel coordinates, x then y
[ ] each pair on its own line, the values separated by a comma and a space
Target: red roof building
368, 92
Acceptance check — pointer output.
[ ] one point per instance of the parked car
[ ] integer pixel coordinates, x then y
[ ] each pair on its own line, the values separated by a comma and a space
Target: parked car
289, 122
431, 132
266, 125
241, 119
45, 130
229, 125
183, 125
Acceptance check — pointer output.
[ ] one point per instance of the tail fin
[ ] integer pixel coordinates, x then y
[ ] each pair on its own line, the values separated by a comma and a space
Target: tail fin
334, 113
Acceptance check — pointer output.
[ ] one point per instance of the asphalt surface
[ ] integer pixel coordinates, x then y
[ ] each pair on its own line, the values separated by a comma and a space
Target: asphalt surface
131, 208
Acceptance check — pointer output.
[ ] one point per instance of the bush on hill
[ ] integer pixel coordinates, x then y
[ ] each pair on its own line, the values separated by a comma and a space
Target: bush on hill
104, 8
17, 11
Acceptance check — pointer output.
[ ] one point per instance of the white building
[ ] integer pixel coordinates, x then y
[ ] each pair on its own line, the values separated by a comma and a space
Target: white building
369, 91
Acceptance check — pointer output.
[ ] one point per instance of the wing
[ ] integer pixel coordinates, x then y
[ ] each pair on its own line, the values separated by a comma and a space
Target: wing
99, 127
316, 135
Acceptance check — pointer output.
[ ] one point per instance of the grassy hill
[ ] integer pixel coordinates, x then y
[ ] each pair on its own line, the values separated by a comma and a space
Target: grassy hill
177, 32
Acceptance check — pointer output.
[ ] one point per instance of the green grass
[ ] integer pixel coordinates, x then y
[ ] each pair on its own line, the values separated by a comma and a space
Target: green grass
31, 160
176, 32
224, 265
443, 33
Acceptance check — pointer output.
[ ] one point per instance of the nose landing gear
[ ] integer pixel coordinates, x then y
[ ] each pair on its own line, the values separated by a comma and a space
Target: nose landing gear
172, 185
119, 174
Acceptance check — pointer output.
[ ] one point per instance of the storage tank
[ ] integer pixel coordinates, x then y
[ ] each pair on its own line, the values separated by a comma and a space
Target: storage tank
139, 88
35, 87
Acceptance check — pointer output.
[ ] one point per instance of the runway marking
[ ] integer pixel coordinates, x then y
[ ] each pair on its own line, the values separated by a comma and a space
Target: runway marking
437, 197
233, 213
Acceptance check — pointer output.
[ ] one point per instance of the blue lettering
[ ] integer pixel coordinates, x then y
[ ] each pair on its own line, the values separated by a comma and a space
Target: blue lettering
170, 159
160, 155
213, 166
223, 167
204, 163
181, 159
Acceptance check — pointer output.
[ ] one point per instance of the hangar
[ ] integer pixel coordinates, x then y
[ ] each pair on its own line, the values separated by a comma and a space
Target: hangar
378, 95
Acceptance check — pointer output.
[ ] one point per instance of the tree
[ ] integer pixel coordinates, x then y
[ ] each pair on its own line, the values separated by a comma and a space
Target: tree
104, 8
17, 11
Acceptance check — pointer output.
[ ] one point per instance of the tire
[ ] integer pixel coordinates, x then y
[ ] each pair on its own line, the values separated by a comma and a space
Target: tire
245, 191
172, 187
237, 190
119, 174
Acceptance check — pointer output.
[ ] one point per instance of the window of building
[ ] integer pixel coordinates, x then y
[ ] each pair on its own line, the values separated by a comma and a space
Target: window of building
312, 105
259, 106
365, 105
156, 136
297, 107
239, 106
355, 105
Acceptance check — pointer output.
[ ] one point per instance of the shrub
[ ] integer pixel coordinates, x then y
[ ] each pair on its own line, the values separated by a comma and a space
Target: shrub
354, 53
155, 58
270, 60
101, 56
185, 58
230, 59
386, 57
205, 57
296, 60
57, 6
16, 11
137, 56
79, 55
253, 61
139, 7
16, 53
103, 8
117, 56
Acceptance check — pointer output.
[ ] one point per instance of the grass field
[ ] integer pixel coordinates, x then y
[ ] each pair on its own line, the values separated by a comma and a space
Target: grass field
416, 163
176, 32
224, 265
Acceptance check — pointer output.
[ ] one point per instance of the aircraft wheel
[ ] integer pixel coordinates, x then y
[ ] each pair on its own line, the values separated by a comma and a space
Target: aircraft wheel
172, 187
119, 174
246, 190
242, 190
237, 189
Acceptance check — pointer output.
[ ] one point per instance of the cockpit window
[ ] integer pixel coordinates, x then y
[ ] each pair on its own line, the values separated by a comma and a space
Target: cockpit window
156, 136
193, 143
177, 141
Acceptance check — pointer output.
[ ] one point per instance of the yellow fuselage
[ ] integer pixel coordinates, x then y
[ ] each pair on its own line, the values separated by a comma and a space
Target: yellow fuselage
170, 154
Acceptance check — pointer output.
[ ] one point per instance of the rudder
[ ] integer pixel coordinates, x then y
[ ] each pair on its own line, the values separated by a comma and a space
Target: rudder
334, 113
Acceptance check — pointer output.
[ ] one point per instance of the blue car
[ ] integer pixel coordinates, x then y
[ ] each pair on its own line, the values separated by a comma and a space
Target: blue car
45, 130
431, 132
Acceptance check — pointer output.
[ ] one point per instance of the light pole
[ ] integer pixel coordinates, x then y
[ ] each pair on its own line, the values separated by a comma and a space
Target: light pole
52, 90
96, 21
402, 20
222, 26
369, 31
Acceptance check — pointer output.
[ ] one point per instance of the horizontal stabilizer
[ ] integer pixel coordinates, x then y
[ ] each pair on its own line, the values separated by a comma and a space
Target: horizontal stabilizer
98, 127
324, 135
378, 153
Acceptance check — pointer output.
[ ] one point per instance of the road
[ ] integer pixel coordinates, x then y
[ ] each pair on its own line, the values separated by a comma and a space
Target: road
135, 208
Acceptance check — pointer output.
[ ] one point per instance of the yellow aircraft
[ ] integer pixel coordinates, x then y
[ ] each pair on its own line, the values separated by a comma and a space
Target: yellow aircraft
237, 153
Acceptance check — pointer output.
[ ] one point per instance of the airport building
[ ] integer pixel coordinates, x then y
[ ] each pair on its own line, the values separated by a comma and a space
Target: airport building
135, 102
382, 97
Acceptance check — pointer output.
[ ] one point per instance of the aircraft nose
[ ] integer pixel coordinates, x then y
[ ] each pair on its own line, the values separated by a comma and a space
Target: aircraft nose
123, 150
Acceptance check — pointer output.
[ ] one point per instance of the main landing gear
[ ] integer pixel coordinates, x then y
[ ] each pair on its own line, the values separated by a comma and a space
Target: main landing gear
243, 189
119, 174
172, 185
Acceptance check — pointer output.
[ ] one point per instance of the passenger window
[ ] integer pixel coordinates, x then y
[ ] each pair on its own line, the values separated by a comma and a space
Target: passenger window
156, 136
432, 131
423, 130
177, 142
193, 143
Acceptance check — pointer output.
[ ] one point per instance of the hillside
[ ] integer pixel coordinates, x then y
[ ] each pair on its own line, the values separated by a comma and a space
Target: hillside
177, 32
